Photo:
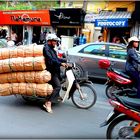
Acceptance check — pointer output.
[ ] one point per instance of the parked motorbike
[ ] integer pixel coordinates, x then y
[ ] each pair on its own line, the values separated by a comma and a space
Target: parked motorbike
124, 121
80, 90
116, 79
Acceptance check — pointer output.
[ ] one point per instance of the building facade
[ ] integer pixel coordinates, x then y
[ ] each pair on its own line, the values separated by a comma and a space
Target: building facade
20, 20
136, 20
105, 11
108, 21
67, 23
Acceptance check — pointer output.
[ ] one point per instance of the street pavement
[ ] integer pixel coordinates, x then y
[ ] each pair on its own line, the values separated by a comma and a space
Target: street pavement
20, 119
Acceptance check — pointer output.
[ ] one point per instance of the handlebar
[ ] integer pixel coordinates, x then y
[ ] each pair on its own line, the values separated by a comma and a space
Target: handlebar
70, 65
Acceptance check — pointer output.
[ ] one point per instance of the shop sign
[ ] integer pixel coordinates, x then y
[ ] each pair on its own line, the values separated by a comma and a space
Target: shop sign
39, 17
67, 16
111, 22
90, 18
25, 18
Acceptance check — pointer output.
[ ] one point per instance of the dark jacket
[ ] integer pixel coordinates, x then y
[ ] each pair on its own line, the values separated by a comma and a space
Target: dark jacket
52, 61
132, 60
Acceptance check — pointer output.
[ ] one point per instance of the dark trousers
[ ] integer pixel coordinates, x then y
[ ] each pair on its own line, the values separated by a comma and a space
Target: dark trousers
55, 82
136, 77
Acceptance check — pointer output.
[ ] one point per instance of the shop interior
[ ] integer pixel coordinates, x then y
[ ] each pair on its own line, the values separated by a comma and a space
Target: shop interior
18, 29
66, 31
121, 33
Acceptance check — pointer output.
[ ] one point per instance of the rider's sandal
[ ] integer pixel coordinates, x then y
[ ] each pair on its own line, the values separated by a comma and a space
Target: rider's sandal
48, 109
59, 99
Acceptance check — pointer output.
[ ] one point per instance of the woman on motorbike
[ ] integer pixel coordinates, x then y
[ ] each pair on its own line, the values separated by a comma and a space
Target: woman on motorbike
133, 62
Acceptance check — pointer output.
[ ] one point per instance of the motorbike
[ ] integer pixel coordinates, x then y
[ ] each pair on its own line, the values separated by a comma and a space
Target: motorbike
124, 121
80, 90
116, 79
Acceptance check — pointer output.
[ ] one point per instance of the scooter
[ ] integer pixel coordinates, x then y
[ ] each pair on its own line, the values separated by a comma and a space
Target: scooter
80, 90
124, 121
116, 79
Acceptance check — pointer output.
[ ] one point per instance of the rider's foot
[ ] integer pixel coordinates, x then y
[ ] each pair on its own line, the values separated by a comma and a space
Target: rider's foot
47, 107
59, 99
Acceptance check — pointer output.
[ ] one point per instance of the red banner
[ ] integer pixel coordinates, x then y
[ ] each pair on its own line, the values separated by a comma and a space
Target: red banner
25, 17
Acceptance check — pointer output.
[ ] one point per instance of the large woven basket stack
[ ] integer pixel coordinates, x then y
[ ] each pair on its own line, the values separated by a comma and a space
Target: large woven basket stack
22, 71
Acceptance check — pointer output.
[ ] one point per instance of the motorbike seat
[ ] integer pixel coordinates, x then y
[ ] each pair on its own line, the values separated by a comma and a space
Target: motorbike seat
122, 73
132, 103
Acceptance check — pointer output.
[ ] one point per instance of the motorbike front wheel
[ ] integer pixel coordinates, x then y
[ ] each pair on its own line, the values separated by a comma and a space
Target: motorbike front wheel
89, 96
122, 128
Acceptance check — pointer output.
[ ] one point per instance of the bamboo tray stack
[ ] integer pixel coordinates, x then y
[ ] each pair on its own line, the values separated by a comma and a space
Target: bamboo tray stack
22, 71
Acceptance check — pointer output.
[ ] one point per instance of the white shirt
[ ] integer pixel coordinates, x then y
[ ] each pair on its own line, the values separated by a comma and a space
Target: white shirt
14, 36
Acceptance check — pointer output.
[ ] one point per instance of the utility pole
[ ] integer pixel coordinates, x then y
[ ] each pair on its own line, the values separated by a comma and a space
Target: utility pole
85, 3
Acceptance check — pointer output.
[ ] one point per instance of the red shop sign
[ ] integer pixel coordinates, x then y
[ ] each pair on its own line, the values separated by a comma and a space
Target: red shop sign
25, 17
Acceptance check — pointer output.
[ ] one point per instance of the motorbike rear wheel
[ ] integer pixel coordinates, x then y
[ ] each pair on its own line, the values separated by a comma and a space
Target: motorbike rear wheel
122, 128
89, 94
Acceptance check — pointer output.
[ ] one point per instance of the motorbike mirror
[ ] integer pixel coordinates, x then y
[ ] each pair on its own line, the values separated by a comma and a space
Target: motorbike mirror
66, 56
74, 65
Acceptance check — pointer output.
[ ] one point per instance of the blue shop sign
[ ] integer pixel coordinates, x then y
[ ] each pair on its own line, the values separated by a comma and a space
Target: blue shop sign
111, 22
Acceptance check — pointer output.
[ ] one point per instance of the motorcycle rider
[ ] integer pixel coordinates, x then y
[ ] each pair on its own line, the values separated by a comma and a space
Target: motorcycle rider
53, 64
132, 62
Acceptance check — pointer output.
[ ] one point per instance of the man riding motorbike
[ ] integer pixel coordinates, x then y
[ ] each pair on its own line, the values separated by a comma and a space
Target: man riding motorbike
53, 64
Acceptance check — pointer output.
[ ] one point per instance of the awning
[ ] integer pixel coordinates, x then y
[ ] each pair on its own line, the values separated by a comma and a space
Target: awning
91, 17
114, 15
112, 19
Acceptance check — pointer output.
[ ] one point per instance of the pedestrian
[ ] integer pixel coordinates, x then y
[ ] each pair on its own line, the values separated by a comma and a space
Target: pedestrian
14, 37
42, 37
53, 64
10, 43
82, 39
3, 33
35, 39
26, 37
100, 38
133, 62
118, 41
76, 40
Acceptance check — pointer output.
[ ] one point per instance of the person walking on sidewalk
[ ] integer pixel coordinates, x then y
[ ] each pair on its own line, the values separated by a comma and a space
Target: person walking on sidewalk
82, 39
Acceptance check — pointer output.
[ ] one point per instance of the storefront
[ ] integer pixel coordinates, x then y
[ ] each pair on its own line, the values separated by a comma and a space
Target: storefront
67, 21
114, 25
90, 30
21, 21
136, 20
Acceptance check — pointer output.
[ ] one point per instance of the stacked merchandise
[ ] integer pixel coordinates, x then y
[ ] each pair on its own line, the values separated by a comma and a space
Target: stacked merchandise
22, 71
